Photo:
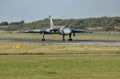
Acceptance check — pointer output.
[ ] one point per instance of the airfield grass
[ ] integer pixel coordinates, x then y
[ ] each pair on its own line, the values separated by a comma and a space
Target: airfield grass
27, 66
49, 48
82, 36
43, 67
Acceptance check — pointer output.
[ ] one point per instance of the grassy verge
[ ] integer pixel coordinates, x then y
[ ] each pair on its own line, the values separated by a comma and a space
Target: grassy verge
40, 67
44, 48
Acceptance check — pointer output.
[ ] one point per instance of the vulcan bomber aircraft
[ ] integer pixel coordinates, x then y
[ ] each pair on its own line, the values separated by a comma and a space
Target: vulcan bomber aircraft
62, 30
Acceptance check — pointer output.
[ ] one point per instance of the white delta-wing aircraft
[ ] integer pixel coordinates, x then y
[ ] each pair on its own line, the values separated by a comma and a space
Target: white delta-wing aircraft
62, 30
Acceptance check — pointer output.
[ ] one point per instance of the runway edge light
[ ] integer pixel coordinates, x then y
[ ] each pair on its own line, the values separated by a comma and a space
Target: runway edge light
16, 46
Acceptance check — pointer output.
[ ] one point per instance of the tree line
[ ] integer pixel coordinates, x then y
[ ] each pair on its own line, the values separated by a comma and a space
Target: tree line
5, 23
101, 24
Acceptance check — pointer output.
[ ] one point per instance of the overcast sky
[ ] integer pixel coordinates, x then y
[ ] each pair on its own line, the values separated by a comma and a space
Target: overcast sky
33, 10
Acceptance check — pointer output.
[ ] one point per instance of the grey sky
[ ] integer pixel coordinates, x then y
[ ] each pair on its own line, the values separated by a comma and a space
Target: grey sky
33, 10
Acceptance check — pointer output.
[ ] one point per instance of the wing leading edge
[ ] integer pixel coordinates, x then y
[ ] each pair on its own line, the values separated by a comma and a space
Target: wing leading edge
80, 31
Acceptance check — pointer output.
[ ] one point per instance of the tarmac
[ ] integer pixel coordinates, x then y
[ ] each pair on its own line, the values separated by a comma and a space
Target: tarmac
117, 42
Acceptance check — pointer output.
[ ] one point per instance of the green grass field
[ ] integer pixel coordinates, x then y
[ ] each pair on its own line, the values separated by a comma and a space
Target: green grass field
59, 67
43, 67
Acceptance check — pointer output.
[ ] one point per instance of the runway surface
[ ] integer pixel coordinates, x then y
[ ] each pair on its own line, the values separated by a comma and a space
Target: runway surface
60, 41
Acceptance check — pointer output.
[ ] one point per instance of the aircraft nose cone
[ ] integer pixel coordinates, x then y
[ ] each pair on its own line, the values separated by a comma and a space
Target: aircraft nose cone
67, 31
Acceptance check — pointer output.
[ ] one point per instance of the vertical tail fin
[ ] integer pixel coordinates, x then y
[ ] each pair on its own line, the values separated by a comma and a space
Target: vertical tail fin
51, 22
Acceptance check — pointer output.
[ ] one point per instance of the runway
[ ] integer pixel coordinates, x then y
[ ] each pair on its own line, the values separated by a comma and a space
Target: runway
60, 41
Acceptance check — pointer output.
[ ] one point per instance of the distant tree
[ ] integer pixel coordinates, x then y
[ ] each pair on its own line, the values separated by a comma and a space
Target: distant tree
106, 23
16, 23
4, 24
22, 22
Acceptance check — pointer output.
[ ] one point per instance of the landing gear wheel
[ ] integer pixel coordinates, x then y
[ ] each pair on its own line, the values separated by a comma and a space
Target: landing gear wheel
43, 40
69, 39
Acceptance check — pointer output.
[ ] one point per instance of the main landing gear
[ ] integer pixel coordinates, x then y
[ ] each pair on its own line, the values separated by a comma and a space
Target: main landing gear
70, 39
43, 35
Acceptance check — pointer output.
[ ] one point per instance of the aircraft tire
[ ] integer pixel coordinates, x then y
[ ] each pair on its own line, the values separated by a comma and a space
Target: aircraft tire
43, 40
69, 39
